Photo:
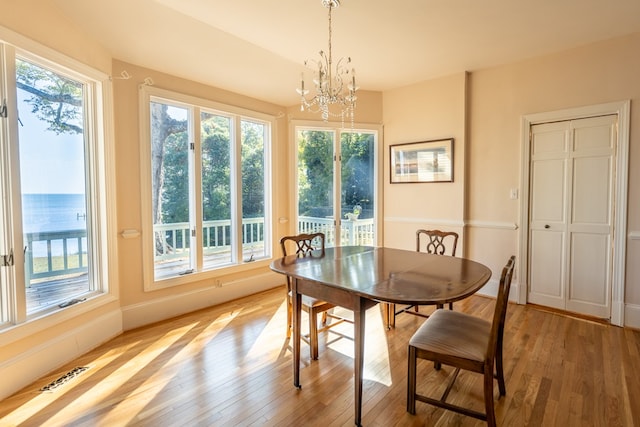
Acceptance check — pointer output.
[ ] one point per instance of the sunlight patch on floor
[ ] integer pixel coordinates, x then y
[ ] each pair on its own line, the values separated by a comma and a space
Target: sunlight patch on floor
42, 399
375, 343
148, 390
118, 379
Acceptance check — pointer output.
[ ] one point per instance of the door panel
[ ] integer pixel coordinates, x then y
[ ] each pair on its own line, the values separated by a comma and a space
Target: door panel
548, 195
547, 284
592, 190
590, 278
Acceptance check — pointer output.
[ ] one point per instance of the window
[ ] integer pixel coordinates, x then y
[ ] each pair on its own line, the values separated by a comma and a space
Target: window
205, 171
52, 184
337, 179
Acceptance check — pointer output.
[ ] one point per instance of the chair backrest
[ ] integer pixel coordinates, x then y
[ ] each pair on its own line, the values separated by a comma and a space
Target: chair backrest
436, 242
500, 311
303, 244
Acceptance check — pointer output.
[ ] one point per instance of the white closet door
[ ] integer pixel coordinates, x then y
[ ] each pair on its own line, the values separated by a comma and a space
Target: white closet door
572, 170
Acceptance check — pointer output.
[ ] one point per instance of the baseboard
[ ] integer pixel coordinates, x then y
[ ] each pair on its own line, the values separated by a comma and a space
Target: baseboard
24, 369
632, 316
136, 315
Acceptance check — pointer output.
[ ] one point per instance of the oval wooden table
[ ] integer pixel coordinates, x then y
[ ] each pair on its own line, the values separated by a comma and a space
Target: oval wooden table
358, 277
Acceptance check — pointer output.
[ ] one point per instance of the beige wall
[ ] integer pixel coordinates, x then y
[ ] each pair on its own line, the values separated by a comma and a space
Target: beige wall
426, 111
495, 101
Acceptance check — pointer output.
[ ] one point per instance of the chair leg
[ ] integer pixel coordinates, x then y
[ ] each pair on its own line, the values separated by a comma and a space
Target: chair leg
289, 316
488, 396
450, 306
411, 381
313, 334
500, 371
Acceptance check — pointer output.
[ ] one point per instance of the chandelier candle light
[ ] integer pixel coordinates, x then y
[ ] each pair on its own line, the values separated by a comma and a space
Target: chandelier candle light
335, 89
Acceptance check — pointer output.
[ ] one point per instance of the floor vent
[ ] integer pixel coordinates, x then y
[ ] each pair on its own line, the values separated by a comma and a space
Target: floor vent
65, 378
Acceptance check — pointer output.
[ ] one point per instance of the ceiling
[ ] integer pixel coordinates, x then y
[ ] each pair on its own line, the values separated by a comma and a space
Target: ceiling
258, 47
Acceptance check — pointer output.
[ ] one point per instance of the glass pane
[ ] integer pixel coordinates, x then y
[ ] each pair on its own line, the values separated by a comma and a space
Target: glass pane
253, 196
315, 183
357, 185
52, 179
170, 189
216, 189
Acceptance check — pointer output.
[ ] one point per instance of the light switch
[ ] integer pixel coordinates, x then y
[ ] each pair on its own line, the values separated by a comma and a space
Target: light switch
513, 194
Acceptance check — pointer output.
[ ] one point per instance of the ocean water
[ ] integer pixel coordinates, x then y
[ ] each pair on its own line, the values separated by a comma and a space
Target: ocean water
53, 212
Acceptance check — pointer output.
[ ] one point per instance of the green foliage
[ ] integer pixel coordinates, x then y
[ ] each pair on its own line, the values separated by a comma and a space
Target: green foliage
175, 171
56, 100
216, 167
315, 172
216, 171
252, 169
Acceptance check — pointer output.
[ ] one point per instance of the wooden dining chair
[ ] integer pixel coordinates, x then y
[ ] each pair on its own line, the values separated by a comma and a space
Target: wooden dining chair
432, 242
304, 245
464, 342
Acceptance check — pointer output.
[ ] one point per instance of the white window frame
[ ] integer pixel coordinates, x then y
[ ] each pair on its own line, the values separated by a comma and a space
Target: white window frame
100, 170
147, 94
338, 129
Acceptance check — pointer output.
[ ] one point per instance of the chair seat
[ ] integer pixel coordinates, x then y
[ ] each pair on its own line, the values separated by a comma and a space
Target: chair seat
455, 334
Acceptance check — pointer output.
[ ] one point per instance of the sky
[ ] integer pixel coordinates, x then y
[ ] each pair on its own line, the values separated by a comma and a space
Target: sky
49, 163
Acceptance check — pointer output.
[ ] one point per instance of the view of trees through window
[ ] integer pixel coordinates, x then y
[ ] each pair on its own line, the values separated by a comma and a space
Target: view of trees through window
176, 188
317, 204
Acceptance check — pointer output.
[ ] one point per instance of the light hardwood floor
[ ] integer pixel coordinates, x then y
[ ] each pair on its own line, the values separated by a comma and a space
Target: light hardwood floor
230, 365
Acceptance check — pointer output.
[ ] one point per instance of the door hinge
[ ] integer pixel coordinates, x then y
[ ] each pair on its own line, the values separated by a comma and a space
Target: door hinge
3, 109
192, 145
193, 232
7, 260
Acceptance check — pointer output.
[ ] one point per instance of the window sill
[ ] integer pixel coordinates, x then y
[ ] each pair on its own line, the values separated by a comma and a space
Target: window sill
209, 275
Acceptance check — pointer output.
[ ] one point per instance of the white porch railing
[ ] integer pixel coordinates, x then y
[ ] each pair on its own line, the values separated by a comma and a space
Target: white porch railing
173, 241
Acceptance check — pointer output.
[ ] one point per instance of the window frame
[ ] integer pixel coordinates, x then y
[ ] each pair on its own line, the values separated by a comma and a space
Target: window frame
338, 130
100, 186
198, 105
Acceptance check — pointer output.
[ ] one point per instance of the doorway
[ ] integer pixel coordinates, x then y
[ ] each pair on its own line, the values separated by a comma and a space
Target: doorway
573, 217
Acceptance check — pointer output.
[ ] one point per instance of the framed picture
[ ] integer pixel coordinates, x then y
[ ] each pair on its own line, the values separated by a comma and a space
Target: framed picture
427, 161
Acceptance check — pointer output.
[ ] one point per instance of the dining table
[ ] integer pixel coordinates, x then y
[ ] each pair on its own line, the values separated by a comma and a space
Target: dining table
359, 277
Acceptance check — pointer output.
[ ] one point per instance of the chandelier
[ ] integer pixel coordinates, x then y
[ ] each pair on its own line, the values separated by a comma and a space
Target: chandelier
335, 89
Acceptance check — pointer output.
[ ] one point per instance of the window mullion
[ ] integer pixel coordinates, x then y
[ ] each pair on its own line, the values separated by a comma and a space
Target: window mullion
195, 162
236, 185
337, 186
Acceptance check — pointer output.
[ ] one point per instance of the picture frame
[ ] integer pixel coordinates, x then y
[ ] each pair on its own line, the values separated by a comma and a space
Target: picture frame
425, 161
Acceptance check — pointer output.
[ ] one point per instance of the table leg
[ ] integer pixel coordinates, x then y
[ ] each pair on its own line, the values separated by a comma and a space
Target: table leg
296, 302
359, 315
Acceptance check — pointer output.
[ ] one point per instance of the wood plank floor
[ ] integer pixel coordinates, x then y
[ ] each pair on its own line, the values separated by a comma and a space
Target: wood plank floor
230, 365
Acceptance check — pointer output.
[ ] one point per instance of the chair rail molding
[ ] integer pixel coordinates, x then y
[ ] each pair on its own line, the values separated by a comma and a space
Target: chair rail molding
497, 225
431, 221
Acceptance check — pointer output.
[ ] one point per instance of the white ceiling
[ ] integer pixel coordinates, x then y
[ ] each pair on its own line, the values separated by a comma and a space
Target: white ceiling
257, 47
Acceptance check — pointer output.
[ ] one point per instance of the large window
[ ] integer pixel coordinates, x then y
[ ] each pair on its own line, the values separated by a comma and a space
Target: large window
53, 193
205, 173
